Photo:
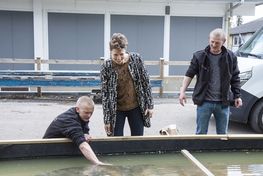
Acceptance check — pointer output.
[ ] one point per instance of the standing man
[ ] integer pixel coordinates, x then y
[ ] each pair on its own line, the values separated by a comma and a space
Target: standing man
217, 83
73, 124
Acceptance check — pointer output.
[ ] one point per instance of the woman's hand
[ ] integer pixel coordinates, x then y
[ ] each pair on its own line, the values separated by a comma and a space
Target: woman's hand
108, 129
149, 112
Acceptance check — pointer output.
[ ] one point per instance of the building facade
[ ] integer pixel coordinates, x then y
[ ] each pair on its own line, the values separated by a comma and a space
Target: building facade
81, 29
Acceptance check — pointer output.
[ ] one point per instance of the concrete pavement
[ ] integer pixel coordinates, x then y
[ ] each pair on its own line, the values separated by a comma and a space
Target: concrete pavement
28, 119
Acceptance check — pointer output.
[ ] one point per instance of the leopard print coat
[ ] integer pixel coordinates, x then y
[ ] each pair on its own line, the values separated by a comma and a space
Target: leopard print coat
142, 86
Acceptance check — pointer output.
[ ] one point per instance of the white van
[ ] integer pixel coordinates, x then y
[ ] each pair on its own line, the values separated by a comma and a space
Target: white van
250, 62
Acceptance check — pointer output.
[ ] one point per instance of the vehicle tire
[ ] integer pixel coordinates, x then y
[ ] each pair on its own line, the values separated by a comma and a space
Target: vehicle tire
256, 117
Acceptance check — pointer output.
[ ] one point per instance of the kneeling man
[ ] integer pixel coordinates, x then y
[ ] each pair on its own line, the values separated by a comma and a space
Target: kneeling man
73, 124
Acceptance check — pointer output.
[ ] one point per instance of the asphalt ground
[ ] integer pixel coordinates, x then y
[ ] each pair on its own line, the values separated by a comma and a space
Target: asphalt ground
28, 119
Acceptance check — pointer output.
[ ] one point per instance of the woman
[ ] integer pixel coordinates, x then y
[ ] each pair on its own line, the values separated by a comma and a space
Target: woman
126, 90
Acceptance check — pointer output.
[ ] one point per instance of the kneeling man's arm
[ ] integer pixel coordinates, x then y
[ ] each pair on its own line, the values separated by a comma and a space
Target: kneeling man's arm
87, 151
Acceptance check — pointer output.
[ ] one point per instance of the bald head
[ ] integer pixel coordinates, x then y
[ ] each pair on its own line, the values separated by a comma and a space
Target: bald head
85, 107
84, 100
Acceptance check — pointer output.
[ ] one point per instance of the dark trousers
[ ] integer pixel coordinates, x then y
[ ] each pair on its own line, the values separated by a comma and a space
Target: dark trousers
135, 120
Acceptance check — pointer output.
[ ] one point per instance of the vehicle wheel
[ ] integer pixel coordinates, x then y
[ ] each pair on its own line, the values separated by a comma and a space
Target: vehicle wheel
256, 117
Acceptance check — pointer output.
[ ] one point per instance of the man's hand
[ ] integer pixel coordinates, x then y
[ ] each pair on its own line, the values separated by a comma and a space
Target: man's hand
149, 112
182, 98
103, 164
87, 151
238, 102
87, 137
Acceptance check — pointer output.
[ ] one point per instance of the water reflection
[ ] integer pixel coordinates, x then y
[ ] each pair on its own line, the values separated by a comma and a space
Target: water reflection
118, 170
256, 168
253, 169
151, 170
142, 170
219, 163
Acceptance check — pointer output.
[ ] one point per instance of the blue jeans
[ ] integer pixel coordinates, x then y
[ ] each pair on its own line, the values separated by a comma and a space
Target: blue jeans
135, 120
220, 112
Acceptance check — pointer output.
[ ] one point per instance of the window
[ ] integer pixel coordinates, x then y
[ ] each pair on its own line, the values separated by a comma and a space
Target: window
237, 40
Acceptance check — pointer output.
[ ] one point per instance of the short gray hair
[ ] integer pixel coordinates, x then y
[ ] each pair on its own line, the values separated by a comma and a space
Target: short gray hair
218, 32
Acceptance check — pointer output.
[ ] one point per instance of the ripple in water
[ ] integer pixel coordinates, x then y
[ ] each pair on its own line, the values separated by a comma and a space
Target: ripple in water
142, 170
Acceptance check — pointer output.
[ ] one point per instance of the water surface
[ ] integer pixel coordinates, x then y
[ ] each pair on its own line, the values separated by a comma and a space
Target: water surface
173, 164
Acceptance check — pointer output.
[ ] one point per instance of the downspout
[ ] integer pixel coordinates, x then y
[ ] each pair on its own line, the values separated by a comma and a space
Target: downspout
228, 18
232, 7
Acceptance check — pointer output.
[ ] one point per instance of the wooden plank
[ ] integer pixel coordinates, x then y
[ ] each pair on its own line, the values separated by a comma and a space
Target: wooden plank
197, 163
245, 136
96, 61
49, 83
51, 61
16, 61
112, 139
77, 62
172, 63
63, 79
14, 89
139, 138
156, 83
35, 141
142, 138
49, 72
130, 144
177, 63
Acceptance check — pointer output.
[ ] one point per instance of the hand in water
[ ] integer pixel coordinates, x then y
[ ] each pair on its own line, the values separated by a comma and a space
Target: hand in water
103, 164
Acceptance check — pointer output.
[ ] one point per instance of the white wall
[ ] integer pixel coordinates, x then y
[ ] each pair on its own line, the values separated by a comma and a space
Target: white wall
138, 7
201, 8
